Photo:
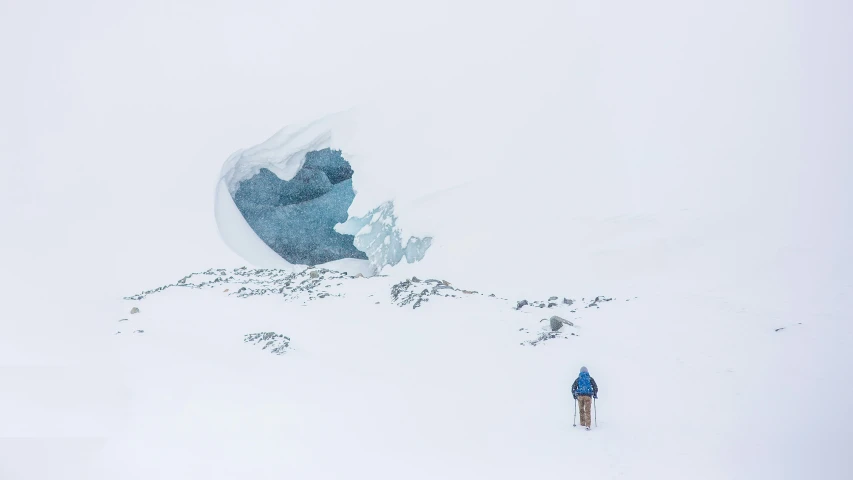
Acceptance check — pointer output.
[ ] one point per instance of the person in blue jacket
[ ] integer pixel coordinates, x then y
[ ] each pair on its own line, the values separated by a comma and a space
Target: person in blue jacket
584, 390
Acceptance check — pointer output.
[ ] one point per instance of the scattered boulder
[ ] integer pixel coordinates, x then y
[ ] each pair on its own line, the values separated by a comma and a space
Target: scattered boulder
551, 299
558, 322
139, 331
552, 305
122, 320
521, 303
568, 301
134, 311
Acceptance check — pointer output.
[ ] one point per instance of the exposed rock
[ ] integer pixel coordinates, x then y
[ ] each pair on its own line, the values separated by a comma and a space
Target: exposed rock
134, 310
406, 292
543, 336
318, 283
277, 343
551, 299
558, 322
598, 300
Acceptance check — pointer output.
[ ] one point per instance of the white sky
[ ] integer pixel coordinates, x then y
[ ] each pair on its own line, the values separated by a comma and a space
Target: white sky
121, 113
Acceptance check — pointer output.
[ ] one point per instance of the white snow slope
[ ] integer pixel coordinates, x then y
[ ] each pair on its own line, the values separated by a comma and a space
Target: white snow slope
694, 155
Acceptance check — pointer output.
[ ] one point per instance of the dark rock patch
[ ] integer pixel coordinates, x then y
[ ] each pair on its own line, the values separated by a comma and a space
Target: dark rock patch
276, 343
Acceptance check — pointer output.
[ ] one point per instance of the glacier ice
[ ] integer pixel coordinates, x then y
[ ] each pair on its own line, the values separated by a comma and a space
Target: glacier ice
286, 202
296, 217
377, 235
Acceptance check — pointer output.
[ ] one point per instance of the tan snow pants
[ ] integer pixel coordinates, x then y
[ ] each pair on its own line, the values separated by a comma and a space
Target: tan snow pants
585, 406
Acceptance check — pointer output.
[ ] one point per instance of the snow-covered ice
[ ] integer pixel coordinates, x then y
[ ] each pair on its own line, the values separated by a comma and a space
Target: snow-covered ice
303, 219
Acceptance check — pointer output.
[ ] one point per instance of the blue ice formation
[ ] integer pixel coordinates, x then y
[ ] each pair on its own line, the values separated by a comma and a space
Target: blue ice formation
377, 235
305, 221
297, 217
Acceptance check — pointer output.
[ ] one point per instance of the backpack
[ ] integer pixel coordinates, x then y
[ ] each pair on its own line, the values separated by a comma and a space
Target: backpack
584, 385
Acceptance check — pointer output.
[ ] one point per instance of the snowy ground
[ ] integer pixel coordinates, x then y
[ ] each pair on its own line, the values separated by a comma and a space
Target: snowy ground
691, 386
696, 379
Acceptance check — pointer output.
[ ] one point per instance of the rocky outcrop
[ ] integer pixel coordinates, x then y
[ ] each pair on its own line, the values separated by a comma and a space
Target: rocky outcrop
320, 284
415, 293
598, 300
276, 343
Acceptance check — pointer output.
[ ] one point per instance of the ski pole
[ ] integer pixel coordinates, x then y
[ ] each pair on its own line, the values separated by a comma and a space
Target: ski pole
575, 417
595, 409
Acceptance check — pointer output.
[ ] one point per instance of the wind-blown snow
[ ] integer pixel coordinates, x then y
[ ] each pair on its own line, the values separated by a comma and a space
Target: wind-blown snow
695, 155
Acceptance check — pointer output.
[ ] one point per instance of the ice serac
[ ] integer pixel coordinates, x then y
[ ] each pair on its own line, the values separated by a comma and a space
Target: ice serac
377, 235
294, 193
296, 218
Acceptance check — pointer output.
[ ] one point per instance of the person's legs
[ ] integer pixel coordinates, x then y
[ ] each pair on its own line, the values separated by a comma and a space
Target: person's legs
580, 409
585, 404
